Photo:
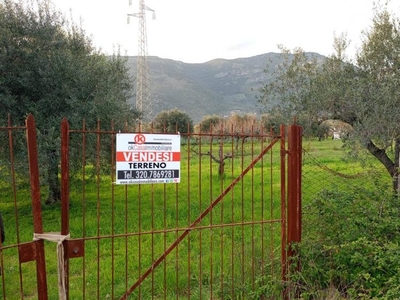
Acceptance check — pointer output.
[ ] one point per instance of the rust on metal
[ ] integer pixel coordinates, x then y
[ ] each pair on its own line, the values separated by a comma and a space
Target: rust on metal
65, 198
294, 212
36, 206
174, 229
294, 186
75, 248
64, 177
27, 252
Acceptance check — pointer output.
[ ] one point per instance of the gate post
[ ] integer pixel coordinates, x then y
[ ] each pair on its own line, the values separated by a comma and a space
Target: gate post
294, 211
294, 186
36, 206
65, 198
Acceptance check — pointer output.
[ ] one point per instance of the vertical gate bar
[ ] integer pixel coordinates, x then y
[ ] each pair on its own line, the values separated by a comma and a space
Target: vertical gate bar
14, 188
36, 206
177, 235
14, 182
232, 217
113, 166
177, 232
140, 239
222, 222
83, 204
271, 209
262, 198
165, 239
126, 218
242, 213
64, 177
126, 235
189, 136
201, 207
98, 181
65, 196
211, 215
140, 232
283, 207
152, 237
252, 212
152, 224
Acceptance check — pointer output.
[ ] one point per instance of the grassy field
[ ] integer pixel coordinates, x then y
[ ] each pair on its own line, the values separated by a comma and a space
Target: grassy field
232, 253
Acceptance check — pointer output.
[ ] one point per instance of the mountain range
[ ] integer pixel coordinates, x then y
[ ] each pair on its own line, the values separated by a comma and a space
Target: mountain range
216, 87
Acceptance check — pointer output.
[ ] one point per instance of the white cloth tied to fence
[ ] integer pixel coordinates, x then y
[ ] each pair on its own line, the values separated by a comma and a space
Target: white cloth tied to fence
57, 238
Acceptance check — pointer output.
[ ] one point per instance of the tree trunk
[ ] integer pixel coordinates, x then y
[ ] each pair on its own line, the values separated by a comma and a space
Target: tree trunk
221, 159
221, 168
391, 166
237, 142
396, 180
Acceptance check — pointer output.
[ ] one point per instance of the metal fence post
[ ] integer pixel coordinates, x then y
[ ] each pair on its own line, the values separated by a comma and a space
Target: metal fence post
36, 206
294, 194
65, 196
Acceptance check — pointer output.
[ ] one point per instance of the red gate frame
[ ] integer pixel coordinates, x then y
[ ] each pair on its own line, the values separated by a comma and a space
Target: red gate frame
290, 204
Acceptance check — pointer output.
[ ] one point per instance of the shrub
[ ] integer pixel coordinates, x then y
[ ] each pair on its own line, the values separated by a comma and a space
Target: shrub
351, 244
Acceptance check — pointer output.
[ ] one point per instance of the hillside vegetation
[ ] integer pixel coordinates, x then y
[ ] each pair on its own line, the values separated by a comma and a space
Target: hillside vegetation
219, 86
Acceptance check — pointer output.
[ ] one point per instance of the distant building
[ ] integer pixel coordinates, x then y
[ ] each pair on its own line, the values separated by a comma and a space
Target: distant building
336, 135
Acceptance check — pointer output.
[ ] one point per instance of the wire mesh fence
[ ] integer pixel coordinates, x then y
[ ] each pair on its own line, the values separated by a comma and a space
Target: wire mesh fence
349, 225
333, 171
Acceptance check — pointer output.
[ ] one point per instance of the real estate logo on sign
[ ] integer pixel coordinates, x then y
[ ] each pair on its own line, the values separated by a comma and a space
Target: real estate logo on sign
147, 158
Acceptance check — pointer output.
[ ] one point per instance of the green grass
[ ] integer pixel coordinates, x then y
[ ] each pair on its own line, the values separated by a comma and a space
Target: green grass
126, 228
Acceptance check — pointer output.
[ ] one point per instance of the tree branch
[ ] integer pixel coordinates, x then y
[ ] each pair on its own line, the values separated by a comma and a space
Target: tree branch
381, 155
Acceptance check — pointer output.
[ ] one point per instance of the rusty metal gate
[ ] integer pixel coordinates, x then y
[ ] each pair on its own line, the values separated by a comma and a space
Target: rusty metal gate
223, 232
23, 263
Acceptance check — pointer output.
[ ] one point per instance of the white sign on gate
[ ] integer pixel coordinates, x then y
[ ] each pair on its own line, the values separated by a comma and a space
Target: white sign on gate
147, 158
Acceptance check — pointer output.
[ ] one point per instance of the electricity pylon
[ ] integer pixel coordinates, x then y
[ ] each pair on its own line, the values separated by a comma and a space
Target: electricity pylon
143, 100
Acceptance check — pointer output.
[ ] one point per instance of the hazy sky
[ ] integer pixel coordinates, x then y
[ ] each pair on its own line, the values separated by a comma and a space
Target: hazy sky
201, 30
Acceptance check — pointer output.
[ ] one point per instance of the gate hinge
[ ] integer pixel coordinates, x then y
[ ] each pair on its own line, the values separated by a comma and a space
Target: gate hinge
27, 252
75, 248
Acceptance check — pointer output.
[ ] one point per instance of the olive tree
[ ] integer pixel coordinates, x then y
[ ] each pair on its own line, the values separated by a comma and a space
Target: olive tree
173, 121
208, 123
49, 67
363, 93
